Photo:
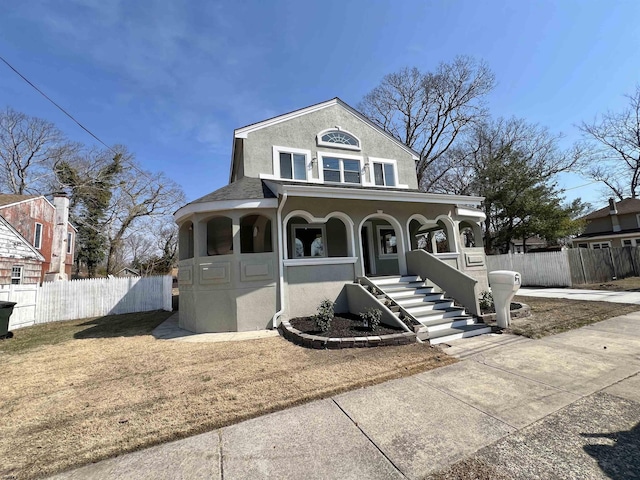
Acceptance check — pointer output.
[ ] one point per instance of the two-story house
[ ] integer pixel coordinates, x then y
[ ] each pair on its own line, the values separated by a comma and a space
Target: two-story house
46, 227
616, 225
317, 198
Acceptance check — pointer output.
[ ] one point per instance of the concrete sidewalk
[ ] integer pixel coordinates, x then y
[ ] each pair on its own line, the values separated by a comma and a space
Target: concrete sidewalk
566, 406
577, 294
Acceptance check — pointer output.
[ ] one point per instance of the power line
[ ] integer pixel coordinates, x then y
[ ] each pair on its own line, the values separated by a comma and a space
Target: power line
580, 186
135, 167
58, 106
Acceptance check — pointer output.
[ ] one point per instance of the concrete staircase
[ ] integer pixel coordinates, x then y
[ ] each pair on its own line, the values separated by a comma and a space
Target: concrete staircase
434, 317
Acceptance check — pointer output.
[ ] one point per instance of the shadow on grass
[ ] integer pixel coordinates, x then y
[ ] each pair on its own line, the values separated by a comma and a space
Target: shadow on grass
620, 460
125, 325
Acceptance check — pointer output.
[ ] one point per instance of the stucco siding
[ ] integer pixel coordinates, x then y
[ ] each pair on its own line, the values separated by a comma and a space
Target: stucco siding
308, 285
301, 132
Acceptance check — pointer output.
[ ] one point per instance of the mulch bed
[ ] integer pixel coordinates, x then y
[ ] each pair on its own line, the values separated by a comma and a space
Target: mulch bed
343, 325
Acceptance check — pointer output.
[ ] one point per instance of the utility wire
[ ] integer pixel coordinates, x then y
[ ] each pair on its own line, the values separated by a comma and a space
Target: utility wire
58, 106
135, 167
580, 186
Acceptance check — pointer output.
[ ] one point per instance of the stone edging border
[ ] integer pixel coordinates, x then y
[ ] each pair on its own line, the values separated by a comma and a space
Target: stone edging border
522, 312
313, 341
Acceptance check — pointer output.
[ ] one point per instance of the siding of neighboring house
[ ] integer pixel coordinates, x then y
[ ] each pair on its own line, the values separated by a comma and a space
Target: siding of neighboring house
24, 215
14, 252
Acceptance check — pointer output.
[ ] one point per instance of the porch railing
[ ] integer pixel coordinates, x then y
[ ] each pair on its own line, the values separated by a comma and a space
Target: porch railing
457, 285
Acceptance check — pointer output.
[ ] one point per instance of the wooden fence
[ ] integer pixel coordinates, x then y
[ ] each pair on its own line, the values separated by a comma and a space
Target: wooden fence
76, 299
576, 266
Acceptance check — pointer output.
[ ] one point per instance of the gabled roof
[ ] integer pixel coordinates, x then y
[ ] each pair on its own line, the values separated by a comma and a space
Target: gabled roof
7, 199
244, 131
626, 206
36, 254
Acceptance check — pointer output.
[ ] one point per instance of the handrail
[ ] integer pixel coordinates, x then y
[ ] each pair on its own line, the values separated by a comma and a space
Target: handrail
457, 285
366, 281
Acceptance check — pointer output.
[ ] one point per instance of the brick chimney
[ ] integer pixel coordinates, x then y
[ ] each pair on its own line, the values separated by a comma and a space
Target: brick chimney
59, 246
613, 212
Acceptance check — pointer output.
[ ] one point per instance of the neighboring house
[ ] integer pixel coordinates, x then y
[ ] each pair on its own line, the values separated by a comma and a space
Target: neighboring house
20, 262
46, 227
316, 198
535, 243
127, 272
616, 225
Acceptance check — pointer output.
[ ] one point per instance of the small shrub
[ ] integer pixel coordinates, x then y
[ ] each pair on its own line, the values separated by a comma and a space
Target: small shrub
371, 318
486, 300
324, 316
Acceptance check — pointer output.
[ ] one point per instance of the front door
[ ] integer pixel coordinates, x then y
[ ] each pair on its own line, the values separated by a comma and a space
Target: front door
368, 250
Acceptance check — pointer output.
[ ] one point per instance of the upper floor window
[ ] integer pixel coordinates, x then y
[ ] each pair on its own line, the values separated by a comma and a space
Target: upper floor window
336, 137
384, 174
291, 163
341, 170
37, 237
69, 243
293, 166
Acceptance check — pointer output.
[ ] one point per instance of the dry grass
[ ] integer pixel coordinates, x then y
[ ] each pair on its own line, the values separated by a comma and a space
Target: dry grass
629, 284
77, 392
556, 315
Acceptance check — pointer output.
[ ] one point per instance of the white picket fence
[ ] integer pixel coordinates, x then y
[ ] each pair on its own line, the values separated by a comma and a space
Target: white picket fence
77, 299
544, 269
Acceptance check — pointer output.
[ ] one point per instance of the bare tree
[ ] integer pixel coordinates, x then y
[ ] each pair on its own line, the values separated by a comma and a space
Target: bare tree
616, 152
427, 111
29, 148
139, 194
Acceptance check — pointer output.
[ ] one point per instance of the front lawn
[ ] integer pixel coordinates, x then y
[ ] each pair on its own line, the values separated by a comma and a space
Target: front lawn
556, 315
77, 392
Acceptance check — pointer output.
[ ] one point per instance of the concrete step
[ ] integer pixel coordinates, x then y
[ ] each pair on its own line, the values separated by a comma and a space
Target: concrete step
409, 292
401, 287
450, 334
428, 306
439, 313
437, 325
394, 279
418, 300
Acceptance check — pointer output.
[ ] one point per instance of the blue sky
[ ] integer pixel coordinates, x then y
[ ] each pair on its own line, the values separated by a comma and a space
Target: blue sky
172, 79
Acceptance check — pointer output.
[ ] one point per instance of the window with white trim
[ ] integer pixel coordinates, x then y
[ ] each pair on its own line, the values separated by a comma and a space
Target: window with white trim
291, 163
384, 173
308, 240
341, 170
583, 245
293, 166
69, 243
387, 241
16, 274
600, 245
37, 237
631, 242
338, 138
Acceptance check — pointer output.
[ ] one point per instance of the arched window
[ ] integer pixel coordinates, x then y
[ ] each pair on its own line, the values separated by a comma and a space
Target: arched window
432, 237
441, 236
336, 137
255, 234
467, 235
185, 241
219, 236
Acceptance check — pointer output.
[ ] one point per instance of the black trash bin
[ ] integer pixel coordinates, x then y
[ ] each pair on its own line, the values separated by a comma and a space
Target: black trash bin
6, 309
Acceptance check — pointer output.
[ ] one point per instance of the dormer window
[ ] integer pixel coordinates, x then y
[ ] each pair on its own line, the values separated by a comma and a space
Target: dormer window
338, 138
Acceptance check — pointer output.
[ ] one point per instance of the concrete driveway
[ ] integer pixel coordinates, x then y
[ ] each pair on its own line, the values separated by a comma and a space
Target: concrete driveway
567, 406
